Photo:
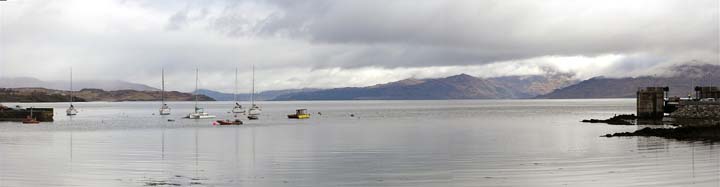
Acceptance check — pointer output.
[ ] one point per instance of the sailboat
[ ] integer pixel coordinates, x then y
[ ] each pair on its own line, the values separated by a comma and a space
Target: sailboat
164, 108
254, 111
238, 108
71, 111
199, 113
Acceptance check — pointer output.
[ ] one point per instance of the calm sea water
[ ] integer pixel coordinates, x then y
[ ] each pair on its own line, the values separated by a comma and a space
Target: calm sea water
387, 143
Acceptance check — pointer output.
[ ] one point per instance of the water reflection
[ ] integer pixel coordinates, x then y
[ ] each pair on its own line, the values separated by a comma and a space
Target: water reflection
390, 143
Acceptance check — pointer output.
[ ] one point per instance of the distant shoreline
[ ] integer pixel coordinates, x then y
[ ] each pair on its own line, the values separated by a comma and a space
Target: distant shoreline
243, 101
43, 95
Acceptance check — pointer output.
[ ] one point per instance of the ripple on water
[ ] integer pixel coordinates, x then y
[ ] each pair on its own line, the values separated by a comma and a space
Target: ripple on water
388, 143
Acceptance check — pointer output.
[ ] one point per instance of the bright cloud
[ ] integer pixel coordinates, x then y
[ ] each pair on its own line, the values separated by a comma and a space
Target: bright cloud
324, 43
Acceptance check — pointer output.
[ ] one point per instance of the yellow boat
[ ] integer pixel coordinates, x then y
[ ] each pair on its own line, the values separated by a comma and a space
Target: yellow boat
299, 114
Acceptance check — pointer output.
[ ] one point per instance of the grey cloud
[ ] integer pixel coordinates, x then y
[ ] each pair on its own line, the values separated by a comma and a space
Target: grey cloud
177, 21
325, 37
479, 32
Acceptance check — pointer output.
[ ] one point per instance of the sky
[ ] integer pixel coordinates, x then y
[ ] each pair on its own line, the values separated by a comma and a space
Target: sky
339, 43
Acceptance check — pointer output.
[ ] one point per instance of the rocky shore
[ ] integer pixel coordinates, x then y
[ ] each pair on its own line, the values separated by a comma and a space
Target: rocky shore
623, 119
698, 110
12, 95
697, 133
49, 95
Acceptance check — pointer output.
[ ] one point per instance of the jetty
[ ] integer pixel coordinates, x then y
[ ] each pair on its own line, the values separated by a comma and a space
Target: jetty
19, 114
654, 103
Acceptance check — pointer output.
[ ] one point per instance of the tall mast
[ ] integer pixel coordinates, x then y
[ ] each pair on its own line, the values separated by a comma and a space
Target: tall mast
71, 87
162, 93
196, 88
252, 94
235, 91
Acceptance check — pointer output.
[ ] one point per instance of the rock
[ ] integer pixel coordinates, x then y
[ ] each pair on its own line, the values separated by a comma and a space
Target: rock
623, 119
701, 133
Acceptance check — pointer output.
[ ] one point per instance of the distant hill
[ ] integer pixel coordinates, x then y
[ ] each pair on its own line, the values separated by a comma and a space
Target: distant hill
461, 86
266, 95
26, 95
49, 95
681, 79
27, 82
534, 85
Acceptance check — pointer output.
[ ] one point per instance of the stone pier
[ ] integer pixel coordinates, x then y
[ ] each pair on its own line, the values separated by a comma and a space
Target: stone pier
651, 102
706, 92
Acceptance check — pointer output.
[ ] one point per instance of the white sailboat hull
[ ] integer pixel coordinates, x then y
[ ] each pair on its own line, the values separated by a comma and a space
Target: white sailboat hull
237, 110
164, 111
71, 111
254, 112
199, 116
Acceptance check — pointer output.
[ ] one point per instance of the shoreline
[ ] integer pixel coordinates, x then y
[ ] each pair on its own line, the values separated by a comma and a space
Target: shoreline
685, 133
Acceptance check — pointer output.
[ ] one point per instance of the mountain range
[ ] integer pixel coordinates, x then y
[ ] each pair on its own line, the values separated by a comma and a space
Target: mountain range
461, 86
553, 85
680, 78
262, 96
108, 85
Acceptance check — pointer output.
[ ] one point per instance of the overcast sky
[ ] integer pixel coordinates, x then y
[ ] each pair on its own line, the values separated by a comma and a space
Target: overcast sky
336, 43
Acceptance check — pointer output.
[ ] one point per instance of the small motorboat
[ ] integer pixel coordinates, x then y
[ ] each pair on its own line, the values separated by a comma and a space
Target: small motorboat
299, 114
228, 122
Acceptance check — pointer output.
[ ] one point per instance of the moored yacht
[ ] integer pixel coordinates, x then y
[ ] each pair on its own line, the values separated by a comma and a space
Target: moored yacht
71, 111
237, 109
164, 108
254, 112
198, 113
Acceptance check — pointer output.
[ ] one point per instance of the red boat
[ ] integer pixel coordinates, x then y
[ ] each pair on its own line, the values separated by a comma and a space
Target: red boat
228, 122
30, 120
